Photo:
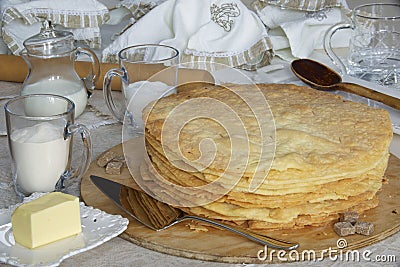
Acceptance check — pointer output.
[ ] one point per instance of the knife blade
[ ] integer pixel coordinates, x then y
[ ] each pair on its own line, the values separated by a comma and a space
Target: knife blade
159, 216
113, 191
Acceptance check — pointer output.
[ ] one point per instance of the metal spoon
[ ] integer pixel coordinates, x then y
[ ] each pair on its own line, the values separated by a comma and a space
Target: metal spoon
322, 77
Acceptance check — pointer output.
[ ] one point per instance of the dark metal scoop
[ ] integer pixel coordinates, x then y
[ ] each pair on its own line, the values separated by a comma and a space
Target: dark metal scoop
321, 77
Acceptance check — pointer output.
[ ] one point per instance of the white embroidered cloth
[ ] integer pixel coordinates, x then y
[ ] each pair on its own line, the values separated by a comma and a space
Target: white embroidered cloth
21, 19
302, 29
203, 31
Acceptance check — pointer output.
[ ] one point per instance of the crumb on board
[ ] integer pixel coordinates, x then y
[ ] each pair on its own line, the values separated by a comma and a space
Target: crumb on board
196, 227
349, 224
105, 158
364, 228
349, 216
112, 162
114, 167
344, 228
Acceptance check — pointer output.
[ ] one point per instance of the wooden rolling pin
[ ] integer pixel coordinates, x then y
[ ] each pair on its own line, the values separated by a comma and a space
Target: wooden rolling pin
14, 69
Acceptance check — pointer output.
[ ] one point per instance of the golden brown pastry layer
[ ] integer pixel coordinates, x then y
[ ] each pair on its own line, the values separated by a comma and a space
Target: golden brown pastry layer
320, 155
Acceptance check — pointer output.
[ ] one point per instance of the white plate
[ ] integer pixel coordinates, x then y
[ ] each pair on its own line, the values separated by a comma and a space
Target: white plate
97, 228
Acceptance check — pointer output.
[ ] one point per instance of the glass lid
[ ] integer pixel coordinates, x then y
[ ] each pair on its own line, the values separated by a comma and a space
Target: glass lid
50, 42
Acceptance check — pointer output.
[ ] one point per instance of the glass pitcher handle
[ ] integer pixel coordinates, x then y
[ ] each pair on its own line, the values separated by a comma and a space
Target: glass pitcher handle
117, 113
94, 74
328, 45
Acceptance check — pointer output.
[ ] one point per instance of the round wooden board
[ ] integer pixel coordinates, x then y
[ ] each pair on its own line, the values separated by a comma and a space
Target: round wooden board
223, 246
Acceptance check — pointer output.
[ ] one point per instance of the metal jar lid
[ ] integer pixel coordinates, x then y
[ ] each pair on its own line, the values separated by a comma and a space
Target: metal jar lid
50, 42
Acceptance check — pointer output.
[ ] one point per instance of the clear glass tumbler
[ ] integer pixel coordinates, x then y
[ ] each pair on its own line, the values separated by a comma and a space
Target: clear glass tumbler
40, 129
148, 72
374, 50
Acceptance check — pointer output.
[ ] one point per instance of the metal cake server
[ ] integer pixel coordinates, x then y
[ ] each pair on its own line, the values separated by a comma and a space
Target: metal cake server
158, 216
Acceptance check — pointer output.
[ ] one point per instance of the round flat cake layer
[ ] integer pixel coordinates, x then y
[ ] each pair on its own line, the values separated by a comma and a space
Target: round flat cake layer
320, 154
340, 185
318, 135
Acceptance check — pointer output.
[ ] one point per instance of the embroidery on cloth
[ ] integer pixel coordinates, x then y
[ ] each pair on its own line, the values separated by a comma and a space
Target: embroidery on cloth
319, 15
223, 15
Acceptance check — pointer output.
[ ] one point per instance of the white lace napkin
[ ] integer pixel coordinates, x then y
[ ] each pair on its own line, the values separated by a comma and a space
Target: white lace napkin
213, 31
301, 25
22, 18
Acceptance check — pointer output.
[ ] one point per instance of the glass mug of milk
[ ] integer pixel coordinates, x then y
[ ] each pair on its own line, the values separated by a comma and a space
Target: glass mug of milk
374, 49
148, 72
40, 129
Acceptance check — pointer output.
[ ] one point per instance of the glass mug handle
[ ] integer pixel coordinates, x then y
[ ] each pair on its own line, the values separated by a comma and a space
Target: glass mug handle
86, 157
94, 73
107, 93
328, 44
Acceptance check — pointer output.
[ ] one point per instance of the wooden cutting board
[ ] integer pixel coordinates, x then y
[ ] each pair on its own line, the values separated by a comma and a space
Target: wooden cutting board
223, 246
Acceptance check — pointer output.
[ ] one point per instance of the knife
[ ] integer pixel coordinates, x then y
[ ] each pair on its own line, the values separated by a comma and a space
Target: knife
158, 215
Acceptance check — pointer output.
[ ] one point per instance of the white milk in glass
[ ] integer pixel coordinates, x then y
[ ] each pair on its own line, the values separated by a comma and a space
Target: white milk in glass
40, 155
139, 94
71, 90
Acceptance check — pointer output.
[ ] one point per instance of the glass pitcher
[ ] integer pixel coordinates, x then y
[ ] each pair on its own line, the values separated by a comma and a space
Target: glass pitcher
51, 56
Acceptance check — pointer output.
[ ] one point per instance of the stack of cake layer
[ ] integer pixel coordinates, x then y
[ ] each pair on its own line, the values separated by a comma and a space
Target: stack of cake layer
264, 156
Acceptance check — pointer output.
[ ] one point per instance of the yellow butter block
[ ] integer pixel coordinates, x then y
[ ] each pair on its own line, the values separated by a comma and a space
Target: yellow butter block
49, 218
